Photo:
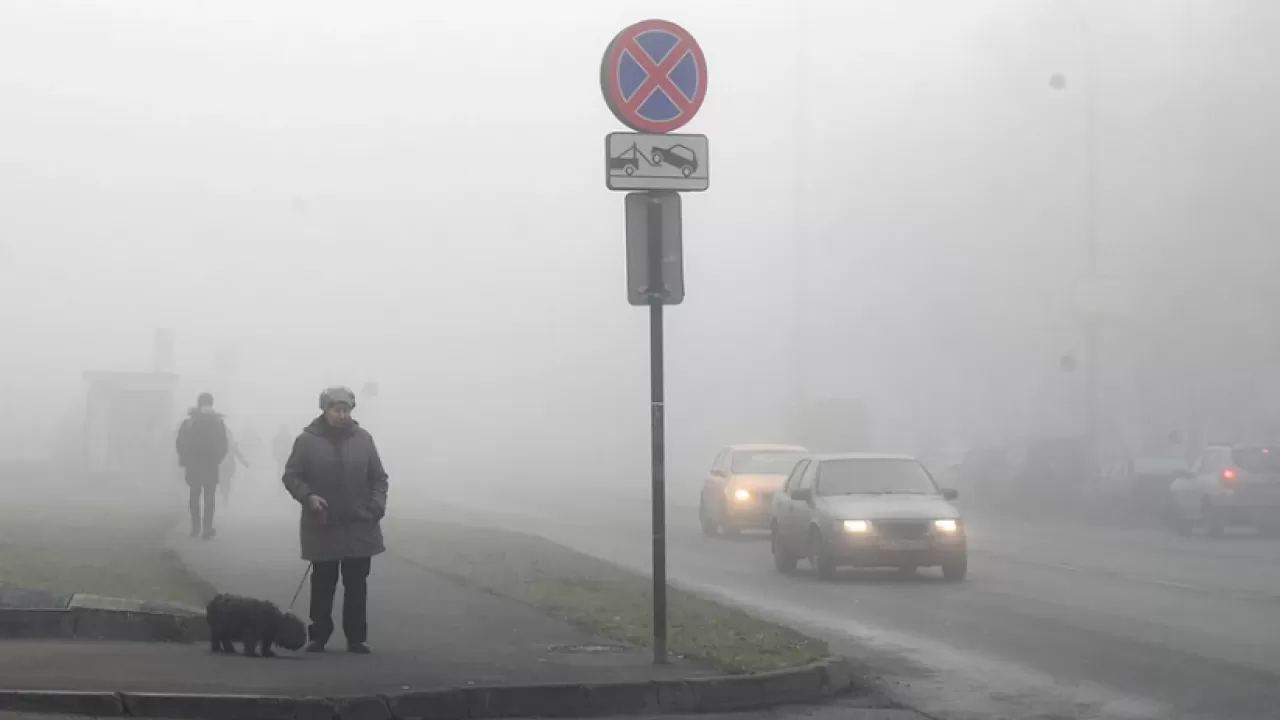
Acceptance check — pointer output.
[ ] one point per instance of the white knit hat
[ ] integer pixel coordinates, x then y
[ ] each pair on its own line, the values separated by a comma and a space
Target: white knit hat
334, 395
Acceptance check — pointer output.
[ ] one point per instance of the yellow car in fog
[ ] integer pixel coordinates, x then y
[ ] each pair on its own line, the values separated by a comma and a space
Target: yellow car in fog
739, 488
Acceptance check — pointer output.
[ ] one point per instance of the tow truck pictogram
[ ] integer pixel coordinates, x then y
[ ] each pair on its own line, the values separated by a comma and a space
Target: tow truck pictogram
680, 157
628, 161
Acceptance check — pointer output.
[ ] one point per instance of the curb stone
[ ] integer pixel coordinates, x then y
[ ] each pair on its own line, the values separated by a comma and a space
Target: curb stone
227, 707
811, 683
98, 624
62, 702
128, 625
430, 704
29, 623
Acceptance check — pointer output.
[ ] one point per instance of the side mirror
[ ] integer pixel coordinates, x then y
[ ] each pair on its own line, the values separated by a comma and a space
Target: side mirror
717, 472
802, 494
950, 493
1182, 474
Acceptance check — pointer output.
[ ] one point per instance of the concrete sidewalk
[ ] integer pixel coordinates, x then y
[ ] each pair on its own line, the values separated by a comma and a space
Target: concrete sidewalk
426, 630
441, 650
839, 710
97, 666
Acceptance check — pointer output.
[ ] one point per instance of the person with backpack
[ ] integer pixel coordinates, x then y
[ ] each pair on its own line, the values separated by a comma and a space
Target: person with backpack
202, 446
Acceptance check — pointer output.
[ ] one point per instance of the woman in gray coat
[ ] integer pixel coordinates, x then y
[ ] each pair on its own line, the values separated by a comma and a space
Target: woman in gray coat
335, 473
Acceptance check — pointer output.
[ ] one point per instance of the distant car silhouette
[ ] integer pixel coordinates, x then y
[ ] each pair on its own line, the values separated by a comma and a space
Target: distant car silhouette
679, 156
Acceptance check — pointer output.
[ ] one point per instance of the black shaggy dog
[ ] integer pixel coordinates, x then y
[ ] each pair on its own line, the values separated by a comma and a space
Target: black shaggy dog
256, 623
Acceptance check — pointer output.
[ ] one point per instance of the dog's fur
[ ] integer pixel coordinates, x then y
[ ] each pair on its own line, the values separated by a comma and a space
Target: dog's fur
255, 623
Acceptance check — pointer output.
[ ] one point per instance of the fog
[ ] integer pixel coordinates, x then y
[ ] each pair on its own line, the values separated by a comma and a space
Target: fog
988, 222
400, 194
409, 194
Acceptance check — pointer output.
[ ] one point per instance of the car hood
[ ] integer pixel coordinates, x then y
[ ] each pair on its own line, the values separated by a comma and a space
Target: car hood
885, 507
757, 483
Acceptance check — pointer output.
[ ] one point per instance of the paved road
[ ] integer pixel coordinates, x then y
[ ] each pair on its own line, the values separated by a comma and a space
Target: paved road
1052, 623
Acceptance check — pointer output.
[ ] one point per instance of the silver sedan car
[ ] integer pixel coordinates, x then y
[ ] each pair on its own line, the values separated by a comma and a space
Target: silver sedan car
863, 510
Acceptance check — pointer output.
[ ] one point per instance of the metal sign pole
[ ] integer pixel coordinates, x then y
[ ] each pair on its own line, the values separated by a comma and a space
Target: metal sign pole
672, 67
657, 431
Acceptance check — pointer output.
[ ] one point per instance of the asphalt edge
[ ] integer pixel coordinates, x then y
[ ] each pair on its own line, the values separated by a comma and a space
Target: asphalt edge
87, 623
809, 684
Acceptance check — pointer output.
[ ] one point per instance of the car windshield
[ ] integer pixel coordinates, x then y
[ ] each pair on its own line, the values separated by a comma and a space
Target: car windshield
772, 462
1257, 459
873, 476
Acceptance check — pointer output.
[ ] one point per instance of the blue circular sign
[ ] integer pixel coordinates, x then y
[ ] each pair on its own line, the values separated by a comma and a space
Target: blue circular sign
654, 76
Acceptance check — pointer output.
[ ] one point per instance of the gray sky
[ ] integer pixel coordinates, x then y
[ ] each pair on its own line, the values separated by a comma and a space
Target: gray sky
411, 191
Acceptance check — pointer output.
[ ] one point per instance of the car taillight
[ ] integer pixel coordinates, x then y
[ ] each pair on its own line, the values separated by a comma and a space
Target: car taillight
1228, 475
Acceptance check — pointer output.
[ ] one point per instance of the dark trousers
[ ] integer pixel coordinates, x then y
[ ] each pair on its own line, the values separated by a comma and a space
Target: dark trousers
203, 482
355, 593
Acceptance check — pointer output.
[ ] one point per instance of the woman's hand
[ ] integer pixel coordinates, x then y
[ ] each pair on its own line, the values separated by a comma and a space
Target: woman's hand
315, 503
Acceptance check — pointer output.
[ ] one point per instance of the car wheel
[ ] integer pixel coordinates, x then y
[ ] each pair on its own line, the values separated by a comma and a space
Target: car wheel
709, 527
631, 170
1213, 521
686, 171
783, 561
657, 158
820, 557
955, 569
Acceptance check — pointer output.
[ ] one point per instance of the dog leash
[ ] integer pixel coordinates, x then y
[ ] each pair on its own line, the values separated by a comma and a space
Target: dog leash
323, 521
298, 592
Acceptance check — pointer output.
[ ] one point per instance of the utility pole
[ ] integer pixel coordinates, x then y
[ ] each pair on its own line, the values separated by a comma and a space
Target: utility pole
1091, 316
1093, 321
799, 188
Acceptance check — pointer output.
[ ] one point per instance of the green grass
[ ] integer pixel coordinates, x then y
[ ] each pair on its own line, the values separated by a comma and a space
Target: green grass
111, 552
599, 596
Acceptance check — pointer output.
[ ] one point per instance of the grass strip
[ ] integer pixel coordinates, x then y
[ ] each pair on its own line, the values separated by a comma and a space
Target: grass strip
75, 550
599, 596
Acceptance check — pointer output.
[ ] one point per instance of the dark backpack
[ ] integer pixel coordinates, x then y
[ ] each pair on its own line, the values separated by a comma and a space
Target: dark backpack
202, 440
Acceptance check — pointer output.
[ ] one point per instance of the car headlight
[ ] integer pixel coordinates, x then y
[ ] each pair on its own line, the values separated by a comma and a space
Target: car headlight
741, 495
946, 526
857, 526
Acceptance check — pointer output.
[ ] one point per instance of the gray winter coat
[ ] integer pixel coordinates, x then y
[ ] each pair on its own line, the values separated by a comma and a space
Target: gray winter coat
343, 467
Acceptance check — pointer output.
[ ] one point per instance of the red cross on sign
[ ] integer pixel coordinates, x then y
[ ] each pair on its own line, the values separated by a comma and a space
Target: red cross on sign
654, 76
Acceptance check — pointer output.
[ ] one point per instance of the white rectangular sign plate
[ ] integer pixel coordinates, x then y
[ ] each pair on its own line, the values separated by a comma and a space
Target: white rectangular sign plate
640, 161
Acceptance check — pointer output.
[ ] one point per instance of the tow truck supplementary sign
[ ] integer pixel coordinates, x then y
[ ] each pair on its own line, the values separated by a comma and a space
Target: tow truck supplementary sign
654, 76
638, 161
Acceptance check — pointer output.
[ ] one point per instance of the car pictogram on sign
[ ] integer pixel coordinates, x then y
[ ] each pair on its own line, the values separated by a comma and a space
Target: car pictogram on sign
680, 157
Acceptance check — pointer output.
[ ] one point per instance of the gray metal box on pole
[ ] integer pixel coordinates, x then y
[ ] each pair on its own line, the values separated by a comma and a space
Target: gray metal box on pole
654, 217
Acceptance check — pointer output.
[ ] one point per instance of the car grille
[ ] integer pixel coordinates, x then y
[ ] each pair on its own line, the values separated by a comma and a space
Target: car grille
902, 529
766, 498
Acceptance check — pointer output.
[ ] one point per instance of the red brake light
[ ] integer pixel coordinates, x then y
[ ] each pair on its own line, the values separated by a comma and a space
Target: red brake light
1228, 475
